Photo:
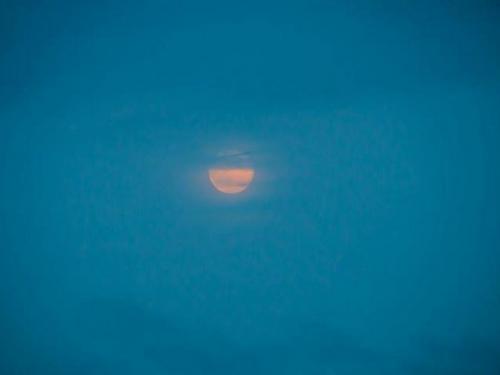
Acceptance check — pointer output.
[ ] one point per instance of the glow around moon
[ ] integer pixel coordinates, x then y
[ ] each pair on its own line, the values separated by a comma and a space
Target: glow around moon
231, 180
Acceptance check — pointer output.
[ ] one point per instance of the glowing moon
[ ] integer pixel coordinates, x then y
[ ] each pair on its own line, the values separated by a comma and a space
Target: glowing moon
231, 180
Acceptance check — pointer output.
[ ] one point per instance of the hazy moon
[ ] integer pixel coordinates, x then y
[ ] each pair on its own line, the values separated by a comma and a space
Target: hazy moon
231, 180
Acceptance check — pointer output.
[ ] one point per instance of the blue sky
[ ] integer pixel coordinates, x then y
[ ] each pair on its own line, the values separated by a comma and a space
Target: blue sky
368, 242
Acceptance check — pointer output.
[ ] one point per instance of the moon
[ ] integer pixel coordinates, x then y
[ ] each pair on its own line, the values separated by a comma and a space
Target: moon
231, 180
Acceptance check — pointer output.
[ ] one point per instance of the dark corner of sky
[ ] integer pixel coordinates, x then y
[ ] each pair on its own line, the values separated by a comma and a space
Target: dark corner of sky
280, 187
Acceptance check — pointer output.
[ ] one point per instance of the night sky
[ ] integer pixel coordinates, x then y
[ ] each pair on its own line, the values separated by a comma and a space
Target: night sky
367, 243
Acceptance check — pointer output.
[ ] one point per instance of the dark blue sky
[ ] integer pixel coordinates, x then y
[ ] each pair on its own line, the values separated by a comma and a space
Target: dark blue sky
368, 243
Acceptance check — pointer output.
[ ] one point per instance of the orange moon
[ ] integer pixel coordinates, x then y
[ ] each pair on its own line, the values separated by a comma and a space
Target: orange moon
231, 180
